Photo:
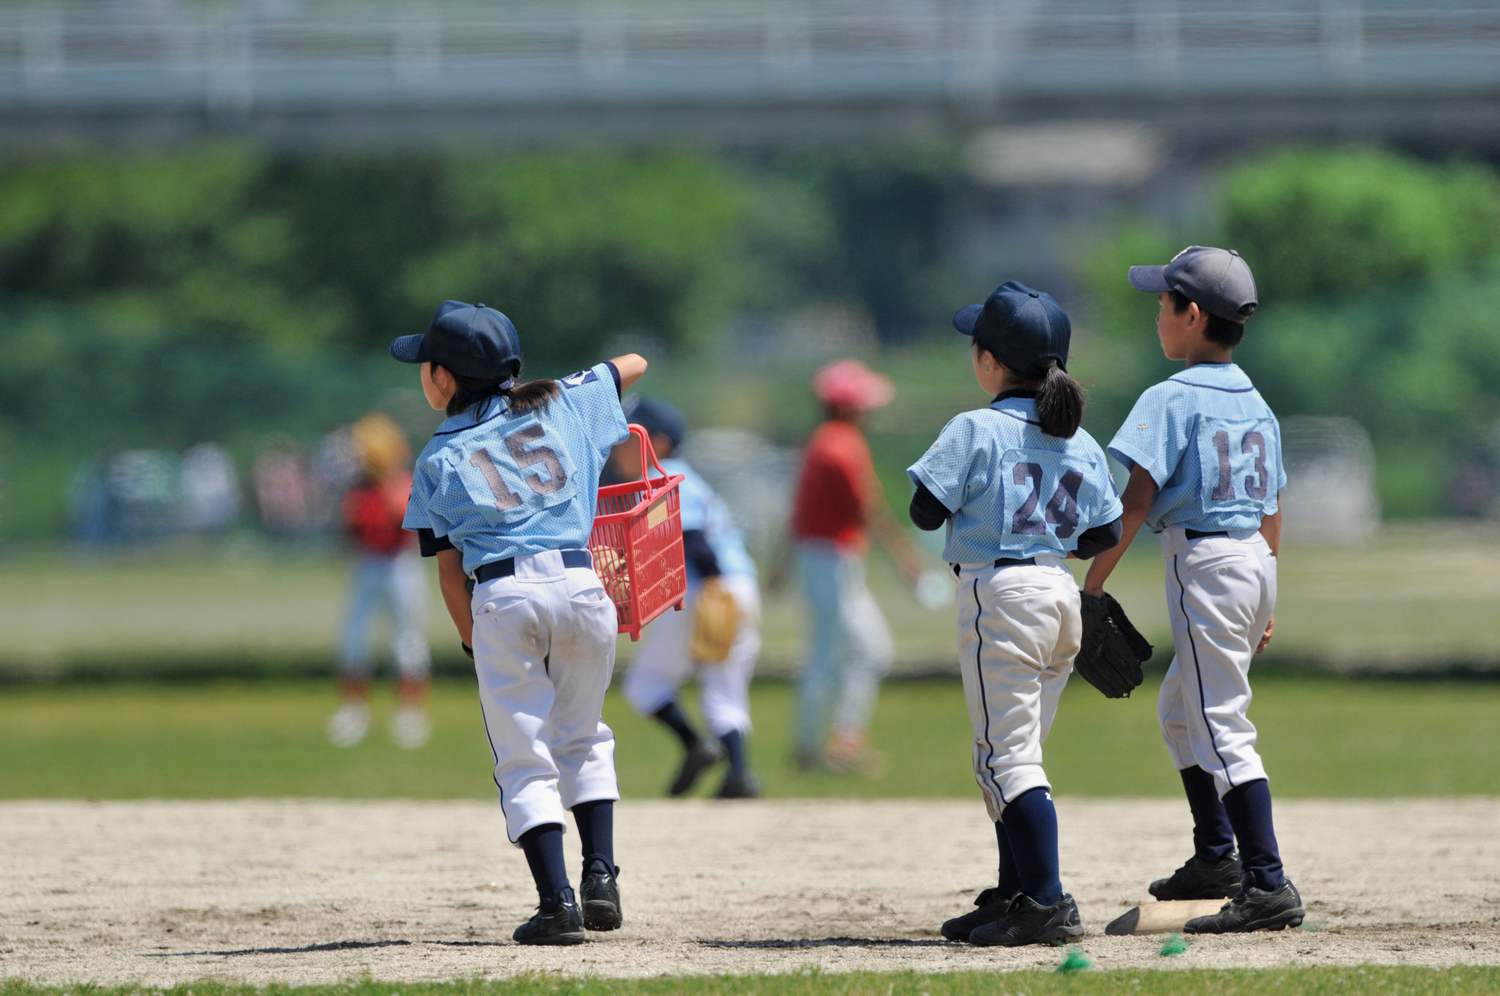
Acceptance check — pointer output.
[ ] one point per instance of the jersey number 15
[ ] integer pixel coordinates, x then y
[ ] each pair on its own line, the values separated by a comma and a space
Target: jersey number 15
516, 444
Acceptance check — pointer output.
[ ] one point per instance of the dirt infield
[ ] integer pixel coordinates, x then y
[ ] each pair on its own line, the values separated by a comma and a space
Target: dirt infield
311, 891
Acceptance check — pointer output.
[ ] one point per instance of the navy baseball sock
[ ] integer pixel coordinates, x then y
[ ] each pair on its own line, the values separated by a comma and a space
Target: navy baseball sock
1031, 825
1009, 882
596, 831
1213, 837
734, 749
544, 855
1249, 809
672, 717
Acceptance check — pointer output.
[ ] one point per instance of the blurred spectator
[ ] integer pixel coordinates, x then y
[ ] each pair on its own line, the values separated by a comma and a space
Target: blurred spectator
838, 503
142, 494
210, 489
88, 503
387, 579
281, 489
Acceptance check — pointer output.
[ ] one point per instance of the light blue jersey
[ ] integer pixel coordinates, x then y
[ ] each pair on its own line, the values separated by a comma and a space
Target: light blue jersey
704, 510
1015, 491
1211, 444
499, 485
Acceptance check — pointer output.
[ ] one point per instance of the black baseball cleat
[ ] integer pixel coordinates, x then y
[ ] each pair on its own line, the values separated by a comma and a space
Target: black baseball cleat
698, 759
1253, 909
600, 890
1026, 921
738, 787
1201, 879
991, 903
557, 921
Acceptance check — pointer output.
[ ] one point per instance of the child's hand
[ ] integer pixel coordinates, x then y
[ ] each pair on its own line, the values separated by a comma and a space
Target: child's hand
1265, 641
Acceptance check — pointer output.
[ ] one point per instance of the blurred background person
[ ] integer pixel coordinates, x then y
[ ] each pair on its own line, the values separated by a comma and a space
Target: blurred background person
838, 504
387, 580
716, 558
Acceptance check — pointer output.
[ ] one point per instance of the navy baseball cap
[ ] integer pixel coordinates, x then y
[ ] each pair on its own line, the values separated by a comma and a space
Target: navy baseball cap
468, 339
1025, 328
1218, 280
657, 417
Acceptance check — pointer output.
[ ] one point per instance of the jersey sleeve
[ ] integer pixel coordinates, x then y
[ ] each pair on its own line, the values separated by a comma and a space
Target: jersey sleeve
418, 506
1280, 463
1155, 434
594, 396
1109, 506
949, 468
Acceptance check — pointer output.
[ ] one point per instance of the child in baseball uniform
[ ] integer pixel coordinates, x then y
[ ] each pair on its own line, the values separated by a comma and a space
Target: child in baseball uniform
1020, 487
716, 558
504, 496
1204, 454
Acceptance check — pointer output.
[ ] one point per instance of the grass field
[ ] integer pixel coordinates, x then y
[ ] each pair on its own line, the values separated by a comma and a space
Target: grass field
1421, 597
1321, 736
1186, 982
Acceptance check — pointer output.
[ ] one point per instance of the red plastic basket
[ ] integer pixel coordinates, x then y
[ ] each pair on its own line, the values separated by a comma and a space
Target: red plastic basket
637, 543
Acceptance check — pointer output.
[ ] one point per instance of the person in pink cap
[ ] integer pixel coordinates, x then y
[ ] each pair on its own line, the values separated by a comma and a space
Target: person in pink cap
838, 504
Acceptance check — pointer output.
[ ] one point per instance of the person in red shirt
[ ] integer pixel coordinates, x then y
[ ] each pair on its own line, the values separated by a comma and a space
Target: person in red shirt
838, 505
387, 578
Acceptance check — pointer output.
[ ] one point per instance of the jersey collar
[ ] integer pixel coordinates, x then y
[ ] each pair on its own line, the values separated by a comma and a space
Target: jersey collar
1015, 392
475, 414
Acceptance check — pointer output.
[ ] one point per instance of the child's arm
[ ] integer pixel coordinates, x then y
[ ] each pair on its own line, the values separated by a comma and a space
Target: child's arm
454, 585
630, 367
1137, 499
1270, 528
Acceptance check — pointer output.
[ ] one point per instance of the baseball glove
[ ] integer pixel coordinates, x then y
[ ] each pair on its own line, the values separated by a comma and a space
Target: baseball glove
1113, 649
716, 622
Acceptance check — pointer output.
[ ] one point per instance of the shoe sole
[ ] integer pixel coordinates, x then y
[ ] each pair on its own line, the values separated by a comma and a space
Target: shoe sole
1280, 921
601, 914
572, 937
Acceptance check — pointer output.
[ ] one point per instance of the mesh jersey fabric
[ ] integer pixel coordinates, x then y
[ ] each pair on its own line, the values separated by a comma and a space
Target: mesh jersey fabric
499, 484
1211, 444
1015, 491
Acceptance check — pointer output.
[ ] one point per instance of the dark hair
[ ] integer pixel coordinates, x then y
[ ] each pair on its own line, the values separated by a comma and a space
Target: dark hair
1220, 331
524, 396
1059, 403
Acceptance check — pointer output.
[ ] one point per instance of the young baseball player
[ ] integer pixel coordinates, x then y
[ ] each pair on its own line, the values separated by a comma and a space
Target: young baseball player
716, 558
1204, 453
504, 496
1020, 487
387, 578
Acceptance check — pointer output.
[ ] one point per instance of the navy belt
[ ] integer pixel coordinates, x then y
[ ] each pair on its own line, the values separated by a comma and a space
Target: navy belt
507, 567
1006, 562
1195, 534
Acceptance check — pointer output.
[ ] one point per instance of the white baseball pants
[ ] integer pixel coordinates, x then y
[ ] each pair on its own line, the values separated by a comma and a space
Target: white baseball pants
1019, 629
1221, 591
544, 650
664, 662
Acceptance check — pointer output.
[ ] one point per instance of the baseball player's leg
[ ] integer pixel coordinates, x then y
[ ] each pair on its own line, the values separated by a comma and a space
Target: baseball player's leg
406, 585
580, 665
516, 696
660, 668
351, 722
868, 651
1218, 593
581, 662
1213, 839
818, 564
726, 691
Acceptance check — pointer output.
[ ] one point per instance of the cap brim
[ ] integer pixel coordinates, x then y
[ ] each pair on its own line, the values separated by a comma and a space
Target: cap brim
1151, 279
965, 319
408, 348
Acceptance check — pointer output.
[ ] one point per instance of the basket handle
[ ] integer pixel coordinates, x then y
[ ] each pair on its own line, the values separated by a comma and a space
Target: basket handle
648, 456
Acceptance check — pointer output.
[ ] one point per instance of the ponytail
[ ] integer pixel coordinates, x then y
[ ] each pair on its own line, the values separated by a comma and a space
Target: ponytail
523, 397
1059, 403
